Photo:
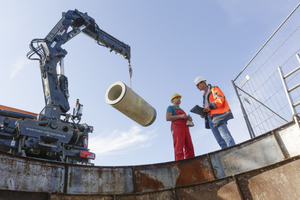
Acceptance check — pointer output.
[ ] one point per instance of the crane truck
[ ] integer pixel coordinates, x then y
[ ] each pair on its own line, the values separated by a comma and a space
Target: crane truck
54, 134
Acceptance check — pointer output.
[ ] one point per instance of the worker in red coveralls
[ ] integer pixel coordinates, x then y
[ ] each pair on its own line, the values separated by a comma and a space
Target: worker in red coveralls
183, 146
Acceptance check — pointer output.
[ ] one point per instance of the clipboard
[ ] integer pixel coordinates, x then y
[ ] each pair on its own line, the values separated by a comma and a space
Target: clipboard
198, 110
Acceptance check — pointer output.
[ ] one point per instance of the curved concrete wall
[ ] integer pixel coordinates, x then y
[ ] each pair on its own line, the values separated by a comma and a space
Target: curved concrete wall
234, 173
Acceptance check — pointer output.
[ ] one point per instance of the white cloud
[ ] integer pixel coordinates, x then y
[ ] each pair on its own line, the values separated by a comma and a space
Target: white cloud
18, 66
121, 142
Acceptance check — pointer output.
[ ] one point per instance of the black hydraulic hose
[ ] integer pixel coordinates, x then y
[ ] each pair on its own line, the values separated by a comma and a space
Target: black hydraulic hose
35, 50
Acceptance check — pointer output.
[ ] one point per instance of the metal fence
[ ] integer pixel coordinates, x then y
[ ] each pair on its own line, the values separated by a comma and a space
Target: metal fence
259, 86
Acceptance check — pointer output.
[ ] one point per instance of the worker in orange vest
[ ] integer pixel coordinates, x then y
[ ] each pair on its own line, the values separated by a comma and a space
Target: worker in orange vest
183, 146
215, 103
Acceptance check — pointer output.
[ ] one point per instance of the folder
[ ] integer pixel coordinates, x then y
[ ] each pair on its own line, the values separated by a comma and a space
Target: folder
198, 110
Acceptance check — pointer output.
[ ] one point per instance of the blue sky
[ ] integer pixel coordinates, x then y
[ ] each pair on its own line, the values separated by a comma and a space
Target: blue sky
172, 42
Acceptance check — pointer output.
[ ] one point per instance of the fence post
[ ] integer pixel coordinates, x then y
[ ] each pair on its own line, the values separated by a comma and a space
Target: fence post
251, 132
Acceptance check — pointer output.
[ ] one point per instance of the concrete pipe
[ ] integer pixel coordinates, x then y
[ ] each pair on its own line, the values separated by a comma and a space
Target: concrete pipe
125, 100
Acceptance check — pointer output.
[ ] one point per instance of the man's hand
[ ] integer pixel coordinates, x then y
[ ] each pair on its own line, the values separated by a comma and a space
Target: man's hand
183, 116
206, 109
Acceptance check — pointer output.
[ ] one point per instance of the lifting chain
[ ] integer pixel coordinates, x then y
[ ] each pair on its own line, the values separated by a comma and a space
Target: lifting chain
130, 72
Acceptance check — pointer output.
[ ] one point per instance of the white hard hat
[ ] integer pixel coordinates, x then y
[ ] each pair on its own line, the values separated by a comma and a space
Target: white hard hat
199, 79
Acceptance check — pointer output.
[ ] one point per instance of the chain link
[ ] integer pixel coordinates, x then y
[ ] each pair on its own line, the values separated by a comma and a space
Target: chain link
130, 72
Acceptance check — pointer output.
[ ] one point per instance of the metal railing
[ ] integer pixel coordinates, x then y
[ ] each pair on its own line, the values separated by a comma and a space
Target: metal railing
259, 87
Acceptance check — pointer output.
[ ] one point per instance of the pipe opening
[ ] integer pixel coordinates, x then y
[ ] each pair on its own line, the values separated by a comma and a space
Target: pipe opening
114, 93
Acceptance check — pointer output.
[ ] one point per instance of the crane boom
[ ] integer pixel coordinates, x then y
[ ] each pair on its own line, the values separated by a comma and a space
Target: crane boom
50, 54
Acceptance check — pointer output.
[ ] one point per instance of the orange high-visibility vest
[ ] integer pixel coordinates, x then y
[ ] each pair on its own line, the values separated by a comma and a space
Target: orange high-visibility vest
220, 110
217, 101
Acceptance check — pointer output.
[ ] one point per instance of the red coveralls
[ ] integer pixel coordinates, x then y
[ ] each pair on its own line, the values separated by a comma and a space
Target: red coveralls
182, 138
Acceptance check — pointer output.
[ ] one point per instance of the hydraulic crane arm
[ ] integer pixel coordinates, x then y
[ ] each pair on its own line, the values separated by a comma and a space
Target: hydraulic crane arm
50, 54
81, 22
110, 42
